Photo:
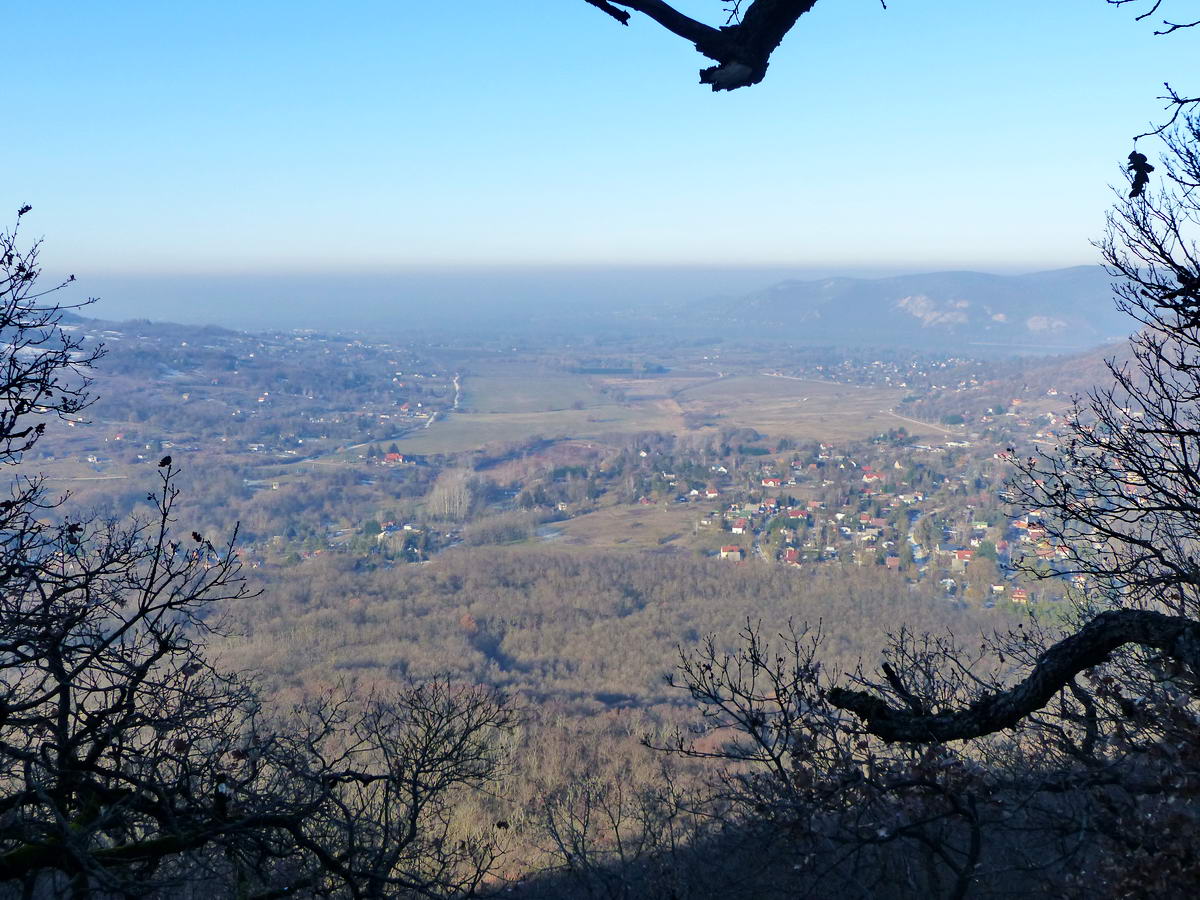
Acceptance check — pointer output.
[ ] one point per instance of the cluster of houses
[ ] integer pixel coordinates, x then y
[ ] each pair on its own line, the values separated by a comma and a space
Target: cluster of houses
868, 515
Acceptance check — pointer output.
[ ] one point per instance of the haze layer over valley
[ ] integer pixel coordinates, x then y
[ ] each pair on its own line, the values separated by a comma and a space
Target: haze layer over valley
1051, 311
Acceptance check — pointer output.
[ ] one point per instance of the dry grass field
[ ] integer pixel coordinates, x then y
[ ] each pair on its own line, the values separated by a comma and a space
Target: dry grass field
633, 527
659, 387
799, 409
512, 407
468, 431
534, 392
515, 403
657, 527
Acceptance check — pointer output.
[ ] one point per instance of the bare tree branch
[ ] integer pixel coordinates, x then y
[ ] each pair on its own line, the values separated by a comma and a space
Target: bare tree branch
742, 51
742, 47
1174, 636
619, 14
1169, 27
1176, 105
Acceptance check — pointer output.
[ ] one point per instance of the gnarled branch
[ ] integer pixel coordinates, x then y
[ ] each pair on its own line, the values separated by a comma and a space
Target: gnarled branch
741, 51
1174, 636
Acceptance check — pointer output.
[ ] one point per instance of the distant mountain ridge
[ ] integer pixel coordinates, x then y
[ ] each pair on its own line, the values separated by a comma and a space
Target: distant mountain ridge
1058, 310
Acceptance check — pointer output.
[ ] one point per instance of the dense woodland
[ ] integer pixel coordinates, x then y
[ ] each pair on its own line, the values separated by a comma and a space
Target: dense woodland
584, 631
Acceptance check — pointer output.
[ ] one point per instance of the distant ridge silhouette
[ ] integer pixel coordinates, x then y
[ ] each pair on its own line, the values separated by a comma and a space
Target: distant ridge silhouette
1062, 309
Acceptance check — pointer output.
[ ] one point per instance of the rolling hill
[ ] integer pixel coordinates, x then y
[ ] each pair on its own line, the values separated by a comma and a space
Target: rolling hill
1055, 311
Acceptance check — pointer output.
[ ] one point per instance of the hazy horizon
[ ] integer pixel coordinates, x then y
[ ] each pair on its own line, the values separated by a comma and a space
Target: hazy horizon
280, 137
364, 300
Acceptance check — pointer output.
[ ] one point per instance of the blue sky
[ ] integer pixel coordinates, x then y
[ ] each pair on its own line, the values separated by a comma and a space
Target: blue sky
260, 136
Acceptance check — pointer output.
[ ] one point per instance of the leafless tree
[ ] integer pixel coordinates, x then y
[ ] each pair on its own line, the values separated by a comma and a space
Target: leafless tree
1122, 492
451, 497
1052, 749
43, 366
129, 764
831, 809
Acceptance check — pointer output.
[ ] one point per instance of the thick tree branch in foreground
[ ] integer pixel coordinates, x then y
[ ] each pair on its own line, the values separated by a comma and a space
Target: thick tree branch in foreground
742, 51
1174, 636
27, 859
604, 6
671, 19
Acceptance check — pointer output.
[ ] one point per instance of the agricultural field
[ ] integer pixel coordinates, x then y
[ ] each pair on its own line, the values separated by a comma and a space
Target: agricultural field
513, 407
457, 432
659, 387
799, 409
528, 393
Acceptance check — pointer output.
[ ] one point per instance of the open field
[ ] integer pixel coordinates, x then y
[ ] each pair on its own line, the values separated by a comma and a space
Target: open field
513, 407
467, 431
527, 393
62, 472
659, 387
643, 528
760, 387
799, 409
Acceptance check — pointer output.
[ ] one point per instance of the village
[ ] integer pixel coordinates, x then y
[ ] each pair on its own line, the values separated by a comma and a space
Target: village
317, 434
963, 540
